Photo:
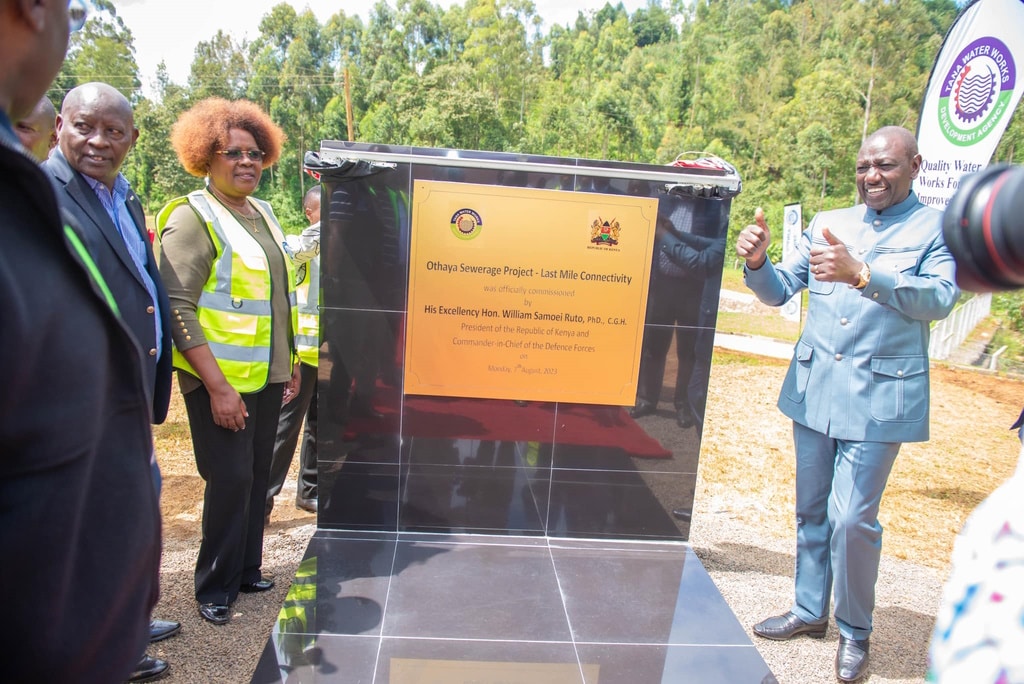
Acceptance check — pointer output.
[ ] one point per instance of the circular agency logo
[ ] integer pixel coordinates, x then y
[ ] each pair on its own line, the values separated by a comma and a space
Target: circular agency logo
466, 224
976, 92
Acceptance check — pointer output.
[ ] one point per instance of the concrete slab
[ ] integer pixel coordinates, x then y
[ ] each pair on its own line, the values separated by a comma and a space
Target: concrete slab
750, 344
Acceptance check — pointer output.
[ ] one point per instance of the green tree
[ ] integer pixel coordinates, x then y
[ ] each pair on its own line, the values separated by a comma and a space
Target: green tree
152, 166
817, 150
103, 51
438, 112
383, 57
652, 24
498, 50
293, 78
1011, 145
783, 89
219, 69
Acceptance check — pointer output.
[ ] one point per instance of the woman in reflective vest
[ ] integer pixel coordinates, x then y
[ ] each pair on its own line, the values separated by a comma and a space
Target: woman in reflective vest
233, 309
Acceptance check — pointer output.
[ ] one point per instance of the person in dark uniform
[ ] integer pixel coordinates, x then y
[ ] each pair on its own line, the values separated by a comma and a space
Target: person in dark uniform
79, 519
96, 131
305, 252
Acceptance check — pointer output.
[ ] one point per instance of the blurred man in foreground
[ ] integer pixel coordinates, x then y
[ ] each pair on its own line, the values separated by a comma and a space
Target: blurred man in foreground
79, 521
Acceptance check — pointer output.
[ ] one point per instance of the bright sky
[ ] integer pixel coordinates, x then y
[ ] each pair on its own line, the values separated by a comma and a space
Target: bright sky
170, 31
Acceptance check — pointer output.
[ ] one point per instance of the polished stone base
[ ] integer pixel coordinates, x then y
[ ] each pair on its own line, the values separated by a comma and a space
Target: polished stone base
484, 534
409, 607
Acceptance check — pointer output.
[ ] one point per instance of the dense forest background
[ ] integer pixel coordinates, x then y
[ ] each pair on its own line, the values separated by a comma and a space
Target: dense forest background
785, 91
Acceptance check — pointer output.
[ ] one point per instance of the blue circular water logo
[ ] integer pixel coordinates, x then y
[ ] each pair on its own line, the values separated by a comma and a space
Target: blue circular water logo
976, 91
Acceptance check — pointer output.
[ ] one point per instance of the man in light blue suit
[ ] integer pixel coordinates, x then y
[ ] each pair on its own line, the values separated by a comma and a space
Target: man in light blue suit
877, 274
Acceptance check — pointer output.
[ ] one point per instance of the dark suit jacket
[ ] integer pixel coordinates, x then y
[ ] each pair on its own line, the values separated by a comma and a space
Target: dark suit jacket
107, 247
79, 519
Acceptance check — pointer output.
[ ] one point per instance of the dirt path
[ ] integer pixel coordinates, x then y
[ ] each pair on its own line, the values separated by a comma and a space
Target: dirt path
743, 528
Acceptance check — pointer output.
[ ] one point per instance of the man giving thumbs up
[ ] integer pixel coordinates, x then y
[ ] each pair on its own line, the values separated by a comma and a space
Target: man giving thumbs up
877, 274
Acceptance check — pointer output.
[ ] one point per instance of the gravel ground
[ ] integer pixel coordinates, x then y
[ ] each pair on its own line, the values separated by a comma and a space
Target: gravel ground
752, 569
742, 531
754, 572
203, 652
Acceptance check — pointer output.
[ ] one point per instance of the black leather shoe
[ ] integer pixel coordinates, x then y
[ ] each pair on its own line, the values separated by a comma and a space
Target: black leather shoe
682, 514
642, 408
216, 613
162, 629
306, 504
257, 586
149, 669
782, 627
684, 418
851, 659
364, 409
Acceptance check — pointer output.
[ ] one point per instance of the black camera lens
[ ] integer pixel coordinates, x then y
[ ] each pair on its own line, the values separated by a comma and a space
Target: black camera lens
984, 229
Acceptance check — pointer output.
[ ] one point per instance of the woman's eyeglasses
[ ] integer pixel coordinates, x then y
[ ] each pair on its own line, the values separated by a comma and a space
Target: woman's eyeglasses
235, 155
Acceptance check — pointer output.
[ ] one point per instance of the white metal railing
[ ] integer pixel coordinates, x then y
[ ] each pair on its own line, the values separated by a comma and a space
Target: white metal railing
950, 333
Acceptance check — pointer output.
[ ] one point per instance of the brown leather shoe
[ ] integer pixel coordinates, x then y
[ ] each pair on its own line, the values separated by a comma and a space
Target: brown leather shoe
851, 659
782, 627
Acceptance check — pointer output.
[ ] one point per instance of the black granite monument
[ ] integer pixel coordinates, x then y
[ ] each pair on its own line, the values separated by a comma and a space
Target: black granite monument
481, 539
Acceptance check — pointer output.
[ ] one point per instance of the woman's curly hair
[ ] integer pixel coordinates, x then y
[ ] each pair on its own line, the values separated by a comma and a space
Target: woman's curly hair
201, 131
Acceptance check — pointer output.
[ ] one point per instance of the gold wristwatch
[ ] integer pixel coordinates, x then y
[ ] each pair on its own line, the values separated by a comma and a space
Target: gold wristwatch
864, 277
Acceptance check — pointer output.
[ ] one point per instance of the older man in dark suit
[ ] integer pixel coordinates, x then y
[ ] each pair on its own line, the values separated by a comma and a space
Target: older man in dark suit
95, 131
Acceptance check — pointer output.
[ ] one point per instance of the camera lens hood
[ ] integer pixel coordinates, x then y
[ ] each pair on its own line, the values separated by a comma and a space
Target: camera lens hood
984, 229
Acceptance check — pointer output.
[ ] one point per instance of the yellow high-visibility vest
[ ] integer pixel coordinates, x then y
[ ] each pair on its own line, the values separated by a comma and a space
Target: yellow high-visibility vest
296, 626
307, 294
234, 307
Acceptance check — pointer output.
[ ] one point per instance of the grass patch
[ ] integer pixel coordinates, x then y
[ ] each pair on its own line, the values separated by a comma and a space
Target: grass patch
772, 326
1013, 341
732, 279
1011, 359
729, 357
